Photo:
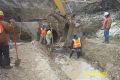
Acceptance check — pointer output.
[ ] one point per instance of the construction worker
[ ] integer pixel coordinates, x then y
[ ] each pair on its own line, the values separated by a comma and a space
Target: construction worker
42, 34
49, 37
106, 26
5, 29
76, 45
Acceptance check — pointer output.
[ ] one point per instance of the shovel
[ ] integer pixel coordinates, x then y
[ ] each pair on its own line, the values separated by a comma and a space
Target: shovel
17, 61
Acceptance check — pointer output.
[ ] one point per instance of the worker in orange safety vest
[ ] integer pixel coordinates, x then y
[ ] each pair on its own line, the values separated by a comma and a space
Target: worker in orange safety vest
42, 34
106, 25
76, 45
5, 30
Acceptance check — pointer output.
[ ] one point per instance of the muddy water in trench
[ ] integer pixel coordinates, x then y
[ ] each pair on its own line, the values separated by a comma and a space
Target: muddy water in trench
79, 69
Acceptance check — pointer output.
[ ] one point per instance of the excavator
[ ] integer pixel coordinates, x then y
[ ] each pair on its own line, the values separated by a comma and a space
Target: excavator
61, 23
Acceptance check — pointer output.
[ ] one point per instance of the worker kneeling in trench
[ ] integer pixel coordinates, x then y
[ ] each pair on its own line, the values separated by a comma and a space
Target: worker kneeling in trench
76, 45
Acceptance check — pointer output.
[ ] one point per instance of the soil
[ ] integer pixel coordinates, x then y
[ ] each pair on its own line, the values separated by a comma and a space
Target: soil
38, 64
105, 57
34, 66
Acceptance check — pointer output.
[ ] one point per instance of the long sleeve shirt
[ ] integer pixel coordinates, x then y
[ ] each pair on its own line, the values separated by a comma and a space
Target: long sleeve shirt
4, 37
107, 23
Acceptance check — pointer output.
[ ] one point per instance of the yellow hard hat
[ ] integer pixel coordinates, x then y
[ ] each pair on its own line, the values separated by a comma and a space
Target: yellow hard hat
48, 32
1, 13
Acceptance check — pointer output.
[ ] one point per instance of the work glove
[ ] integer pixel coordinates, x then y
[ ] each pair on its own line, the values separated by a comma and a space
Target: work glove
12, 22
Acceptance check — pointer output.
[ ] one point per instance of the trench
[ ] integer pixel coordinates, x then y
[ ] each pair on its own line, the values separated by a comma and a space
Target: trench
77, 69
73, 68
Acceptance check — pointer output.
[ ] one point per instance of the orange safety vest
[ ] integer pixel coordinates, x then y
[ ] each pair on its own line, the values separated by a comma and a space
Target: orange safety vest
77, 43
43, 32
1, 28
107, 22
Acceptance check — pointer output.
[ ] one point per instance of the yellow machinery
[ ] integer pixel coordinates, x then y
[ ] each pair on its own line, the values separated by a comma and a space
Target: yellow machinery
60, 6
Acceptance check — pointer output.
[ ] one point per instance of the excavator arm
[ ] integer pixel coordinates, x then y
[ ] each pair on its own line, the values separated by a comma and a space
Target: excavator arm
60, 6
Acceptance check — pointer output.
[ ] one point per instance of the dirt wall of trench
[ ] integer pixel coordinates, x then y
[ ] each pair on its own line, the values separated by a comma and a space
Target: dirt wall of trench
105, 57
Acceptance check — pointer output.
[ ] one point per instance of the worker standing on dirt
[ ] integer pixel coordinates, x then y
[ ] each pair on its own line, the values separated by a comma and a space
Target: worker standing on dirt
76, 45
106, 26
49, 37
5, 29
42, 34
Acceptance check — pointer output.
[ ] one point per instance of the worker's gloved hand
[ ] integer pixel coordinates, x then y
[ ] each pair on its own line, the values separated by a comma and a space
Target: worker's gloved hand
12, 21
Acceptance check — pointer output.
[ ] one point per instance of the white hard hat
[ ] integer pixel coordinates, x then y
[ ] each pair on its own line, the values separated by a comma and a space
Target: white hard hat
106, 13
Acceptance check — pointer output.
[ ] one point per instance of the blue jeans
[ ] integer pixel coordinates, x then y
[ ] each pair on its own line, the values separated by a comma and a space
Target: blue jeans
106, 35
76, 50
4, 55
